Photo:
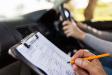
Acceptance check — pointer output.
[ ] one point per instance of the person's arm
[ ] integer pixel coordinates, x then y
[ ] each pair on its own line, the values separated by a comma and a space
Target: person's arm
100, 34
89, 11
98, 44
71, 30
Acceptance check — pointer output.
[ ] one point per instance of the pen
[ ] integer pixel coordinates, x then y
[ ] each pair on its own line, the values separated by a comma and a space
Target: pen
92, 57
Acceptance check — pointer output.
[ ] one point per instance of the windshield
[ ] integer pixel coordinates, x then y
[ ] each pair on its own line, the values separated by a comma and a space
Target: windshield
13, 8
98, 10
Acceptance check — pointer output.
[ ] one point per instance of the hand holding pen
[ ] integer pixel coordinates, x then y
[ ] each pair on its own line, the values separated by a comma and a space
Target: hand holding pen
85, 67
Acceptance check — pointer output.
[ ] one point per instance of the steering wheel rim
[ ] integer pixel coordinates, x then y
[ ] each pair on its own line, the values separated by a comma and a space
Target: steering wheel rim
62, 13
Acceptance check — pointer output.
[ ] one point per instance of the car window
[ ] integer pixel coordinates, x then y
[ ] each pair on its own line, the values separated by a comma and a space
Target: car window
102, 11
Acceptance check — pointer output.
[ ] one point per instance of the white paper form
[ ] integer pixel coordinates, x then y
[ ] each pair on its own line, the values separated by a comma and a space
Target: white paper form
46, 56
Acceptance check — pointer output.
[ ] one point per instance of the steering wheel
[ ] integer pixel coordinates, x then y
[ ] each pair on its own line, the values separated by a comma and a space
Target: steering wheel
66, 15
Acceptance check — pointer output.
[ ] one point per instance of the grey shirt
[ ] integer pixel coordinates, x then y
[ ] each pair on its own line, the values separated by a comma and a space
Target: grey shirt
98, 44
100, 34
98, 40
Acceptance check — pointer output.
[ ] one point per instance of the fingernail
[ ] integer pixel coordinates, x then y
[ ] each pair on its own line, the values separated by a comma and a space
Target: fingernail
86, 50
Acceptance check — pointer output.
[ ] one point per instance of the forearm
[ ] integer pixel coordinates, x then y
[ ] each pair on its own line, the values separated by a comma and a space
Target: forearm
100, 34
98, 44
89, 11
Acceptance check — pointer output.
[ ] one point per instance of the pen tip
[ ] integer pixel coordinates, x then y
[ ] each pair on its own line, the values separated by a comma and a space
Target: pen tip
71, 62
68, 62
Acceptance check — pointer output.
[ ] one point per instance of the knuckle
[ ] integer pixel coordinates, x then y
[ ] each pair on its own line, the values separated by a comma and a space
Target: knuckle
85, 63
64, 28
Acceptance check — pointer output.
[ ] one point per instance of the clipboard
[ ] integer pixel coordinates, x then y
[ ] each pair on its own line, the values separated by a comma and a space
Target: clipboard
21, 50
14, 53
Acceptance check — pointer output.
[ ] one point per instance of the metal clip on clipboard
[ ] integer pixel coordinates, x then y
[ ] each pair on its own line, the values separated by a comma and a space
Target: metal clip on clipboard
29, 40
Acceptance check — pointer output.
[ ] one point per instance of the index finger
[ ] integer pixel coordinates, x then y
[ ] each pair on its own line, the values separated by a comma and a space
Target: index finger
81, 54
67, 23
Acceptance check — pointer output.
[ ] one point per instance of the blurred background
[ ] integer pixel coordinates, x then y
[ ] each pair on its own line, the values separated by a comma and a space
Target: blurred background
102, 11
13, 8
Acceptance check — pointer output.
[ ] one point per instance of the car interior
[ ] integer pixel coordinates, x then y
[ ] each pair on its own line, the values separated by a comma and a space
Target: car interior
48, 23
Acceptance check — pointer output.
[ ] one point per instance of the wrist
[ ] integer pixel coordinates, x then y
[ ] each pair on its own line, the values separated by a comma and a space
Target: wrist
82, 36
85, 26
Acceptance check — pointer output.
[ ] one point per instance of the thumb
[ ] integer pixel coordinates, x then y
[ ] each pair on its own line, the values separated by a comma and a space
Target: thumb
84, 64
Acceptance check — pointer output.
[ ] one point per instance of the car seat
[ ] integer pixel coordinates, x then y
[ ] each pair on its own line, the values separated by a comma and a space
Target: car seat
8, 37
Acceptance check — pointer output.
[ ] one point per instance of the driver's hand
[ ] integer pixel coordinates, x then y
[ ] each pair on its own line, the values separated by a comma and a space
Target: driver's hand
85, 67
82, 26
71, 30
